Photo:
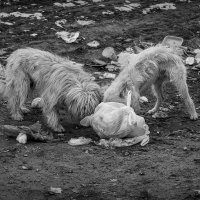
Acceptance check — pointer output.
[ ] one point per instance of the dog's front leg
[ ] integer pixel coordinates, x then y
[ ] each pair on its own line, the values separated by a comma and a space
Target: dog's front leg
157, 90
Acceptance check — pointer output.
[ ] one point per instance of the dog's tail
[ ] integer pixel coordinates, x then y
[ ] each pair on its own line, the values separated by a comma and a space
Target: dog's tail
82, 98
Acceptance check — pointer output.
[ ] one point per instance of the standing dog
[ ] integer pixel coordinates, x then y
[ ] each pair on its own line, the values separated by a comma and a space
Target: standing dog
151, 67
58, 81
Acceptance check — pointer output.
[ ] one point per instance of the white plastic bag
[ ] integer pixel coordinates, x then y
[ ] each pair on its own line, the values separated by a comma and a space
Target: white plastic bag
116, 120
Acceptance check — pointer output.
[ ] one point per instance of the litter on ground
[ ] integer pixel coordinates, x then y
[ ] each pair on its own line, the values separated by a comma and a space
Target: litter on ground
67, 36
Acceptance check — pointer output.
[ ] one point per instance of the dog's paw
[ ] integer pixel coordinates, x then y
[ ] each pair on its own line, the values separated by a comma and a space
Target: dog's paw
25, 110
17, 117
194, 116
59, 128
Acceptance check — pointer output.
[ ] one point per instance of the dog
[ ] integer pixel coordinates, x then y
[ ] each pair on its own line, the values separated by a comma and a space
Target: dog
57, 80
151, 67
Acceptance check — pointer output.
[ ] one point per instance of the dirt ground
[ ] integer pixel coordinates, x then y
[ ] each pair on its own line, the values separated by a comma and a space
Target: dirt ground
166, 168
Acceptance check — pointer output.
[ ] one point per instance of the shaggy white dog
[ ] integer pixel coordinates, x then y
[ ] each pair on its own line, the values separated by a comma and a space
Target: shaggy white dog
57, 80
151, 67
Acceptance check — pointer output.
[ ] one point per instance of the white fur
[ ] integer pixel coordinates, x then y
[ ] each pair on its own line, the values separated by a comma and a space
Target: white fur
151, 67
57, 81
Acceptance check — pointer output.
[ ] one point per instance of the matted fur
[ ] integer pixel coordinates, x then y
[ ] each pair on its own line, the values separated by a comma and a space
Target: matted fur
57, 81
151, 67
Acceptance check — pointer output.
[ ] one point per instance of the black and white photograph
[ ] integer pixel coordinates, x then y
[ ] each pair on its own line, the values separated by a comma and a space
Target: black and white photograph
99, 100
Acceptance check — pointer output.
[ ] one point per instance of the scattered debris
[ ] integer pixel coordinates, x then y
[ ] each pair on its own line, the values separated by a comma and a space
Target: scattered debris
79, 141
96, 1
26, 15
112, 68
117, 142
64, 5
190, 60
85, 22
33, 132
100, 62
109, 75
107, 12
160, 114
22, 138
82, 3
68, 37
128, 7
60, 22
6, 23
55, 190
172, 41
93, 44
143, 99
161, 6
33, 34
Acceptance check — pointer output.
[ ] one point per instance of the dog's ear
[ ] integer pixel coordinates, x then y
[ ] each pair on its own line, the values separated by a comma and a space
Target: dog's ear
86, 121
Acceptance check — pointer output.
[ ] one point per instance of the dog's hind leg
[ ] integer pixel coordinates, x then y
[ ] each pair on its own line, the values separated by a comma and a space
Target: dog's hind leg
17, 91
178, 78
182, 87
158, 92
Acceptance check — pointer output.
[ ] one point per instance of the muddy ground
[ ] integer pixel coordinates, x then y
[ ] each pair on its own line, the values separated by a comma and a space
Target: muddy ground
166, 168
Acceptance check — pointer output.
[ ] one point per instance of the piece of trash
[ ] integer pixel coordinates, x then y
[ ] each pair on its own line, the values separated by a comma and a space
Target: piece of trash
109, 75
107, 12
185, 148
161, 6
33, 132
33, 34
93, 44
172, 41
6, 23
99, 62
22, 138
79, 141
160, 114
37, 103
68, 37
143, 99
96, 1
116, 120
111, 68
25, 15
109, 52
127, 7
117, 142
55, 190
190, 60
64, 5
60, 22
85, 22
82, 3
27, 168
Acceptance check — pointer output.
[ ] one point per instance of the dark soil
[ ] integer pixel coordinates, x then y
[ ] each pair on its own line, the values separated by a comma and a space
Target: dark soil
166, 168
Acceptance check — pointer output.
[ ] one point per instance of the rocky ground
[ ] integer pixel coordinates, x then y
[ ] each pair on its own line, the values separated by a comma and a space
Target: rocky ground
166, 168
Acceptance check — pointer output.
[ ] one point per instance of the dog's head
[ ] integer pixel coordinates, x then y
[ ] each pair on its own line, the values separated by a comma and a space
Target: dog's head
115, 94
82, 99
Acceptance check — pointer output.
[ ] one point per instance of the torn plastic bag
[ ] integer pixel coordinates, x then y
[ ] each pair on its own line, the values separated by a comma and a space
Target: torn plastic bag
116, 120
